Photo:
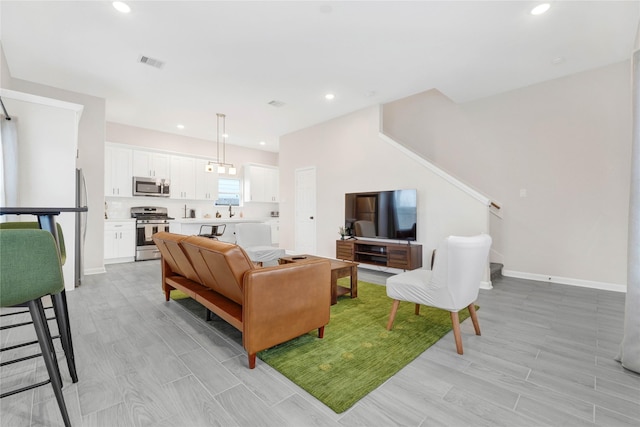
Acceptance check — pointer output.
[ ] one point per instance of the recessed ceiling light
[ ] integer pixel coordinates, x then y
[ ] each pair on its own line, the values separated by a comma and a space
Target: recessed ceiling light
540, 9
180, 126
121, 6
329, 96
262, 143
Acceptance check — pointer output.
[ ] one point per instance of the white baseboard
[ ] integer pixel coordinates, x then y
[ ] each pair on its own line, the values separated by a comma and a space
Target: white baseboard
90, 271
119, 260
566, 281
486, 285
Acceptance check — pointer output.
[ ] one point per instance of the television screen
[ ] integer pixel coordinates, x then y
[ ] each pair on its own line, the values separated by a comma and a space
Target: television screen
381, 214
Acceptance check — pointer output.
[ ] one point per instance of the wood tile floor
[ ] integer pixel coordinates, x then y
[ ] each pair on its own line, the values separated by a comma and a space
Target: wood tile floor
545, 357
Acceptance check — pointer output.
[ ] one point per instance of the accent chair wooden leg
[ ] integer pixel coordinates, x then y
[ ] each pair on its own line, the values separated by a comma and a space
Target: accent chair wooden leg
321, 332
252, 360
167, 294
474, 318
455, 321
392, 315
417, 309
208, 318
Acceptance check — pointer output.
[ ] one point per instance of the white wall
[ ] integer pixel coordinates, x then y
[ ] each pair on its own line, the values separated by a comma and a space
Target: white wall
567, 142
5, 75
131, 135
350, 156
90, 160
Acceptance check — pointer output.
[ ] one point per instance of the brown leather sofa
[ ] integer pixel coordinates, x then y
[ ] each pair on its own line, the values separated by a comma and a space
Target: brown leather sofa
268, 305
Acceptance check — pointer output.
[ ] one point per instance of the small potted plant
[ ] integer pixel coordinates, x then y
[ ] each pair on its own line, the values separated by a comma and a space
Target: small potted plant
342, 232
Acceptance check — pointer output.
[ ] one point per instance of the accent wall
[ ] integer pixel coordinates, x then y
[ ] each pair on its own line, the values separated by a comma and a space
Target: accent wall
555, 155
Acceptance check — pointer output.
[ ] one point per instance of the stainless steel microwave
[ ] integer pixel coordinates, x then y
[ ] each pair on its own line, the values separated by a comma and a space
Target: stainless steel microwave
146, 186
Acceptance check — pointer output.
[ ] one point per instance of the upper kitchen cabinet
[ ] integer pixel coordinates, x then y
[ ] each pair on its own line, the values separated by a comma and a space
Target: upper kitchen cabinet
152, 164
117, 177
206, 182
261, 183
183, 177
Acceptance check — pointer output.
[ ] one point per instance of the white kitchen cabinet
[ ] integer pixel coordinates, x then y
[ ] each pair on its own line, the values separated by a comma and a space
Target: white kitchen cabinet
206, 182
261, 183
183, 177
151, 164
119, 241
117, 177
275, 231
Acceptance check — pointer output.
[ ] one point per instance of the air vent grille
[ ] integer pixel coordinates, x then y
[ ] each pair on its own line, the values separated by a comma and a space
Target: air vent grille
276, 104
151, 61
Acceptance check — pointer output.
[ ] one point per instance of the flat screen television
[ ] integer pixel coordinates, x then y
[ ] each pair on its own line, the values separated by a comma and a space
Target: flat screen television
381, 214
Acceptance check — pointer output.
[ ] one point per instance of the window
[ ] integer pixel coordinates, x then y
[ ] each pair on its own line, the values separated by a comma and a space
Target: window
228, 192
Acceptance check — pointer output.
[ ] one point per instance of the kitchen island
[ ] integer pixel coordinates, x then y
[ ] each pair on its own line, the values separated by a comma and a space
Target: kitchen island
191, 226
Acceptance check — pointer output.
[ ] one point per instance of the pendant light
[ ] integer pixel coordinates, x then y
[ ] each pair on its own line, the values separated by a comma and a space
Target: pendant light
221, 135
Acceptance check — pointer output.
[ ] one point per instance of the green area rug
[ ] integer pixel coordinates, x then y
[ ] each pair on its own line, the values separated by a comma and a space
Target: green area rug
357, 353
177, 294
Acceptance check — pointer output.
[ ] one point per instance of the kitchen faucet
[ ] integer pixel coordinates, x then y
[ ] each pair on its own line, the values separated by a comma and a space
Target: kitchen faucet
231, 214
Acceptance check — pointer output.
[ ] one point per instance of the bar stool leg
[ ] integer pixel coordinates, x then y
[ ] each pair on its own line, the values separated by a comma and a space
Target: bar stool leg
48, 222
49, 354
62, 318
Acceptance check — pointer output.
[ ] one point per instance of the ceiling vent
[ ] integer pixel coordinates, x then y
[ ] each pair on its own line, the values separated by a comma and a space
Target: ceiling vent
151, 61
276, 104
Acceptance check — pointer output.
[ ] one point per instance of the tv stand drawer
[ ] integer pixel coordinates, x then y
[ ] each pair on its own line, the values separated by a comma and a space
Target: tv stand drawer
344, 249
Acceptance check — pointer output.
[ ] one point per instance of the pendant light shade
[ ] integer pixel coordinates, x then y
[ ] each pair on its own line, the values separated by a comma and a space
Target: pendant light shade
221, 136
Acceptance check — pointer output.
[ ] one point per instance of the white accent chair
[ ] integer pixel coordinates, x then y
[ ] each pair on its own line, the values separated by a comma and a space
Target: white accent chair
452, 284
255, 239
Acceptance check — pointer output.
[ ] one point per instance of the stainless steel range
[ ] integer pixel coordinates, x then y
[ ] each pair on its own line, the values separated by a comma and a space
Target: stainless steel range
149, 220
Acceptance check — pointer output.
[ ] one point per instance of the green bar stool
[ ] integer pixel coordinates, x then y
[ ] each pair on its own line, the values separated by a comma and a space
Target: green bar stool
29, 270
59, 301
14, 225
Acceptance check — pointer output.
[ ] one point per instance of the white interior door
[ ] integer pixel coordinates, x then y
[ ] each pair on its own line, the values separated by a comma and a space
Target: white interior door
305, 205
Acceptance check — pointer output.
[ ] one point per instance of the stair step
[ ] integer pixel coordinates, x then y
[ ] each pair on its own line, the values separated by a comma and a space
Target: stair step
496, 270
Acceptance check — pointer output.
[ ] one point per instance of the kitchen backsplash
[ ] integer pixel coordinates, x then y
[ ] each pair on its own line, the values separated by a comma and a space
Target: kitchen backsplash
120, 208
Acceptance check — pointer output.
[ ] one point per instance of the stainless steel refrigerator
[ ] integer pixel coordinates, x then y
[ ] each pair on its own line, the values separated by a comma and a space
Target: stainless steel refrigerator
81, 227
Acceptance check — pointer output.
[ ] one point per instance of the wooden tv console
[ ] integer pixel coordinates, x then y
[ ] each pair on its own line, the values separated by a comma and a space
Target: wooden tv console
396, 255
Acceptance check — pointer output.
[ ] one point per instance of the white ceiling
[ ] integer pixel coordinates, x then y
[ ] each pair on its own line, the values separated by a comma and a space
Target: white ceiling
236, 57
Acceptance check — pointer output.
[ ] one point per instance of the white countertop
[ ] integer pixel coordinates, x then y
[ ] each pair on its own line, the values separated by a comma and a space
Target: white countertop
211, 220
222, 220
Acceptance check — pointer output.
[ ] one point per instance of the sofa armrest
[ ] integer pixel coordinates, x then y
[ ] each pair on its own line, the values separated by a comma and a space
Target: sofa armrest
284, 302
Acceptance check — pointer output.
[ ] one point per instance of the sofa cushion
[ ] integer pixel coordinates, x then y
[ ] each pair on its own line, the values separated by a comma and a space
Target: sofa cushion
221, 265
169, 246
